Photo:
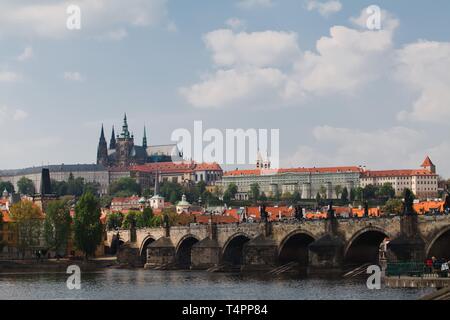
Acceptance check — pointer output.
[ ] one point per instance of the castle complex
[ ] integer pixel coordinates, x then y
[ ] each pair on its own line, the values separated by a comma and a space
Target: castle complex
123, 152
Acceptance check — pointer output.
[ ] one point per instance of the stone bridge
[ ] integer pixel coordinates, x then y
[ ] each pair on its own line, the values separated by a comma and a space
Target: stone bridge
316, 245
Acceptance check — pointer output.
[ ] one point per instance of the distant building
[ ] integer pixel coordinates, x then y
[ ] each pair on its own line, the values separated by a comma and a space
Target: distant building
186, 172
91, 173
422, 182
123, 152
306, 181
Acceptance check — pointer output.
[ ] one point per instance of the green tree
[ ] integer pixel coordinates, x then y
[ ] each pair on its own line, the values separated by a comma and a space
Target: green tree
124, 187
338, 191
60, 188
201, 187
26, 186
254, 192
370, 192
57, 225
386, 191
114, 221
145, 220
393, 206
344, 195
105, 201
28, 221
130, 219
87, 226
296, 198
6, 185
75, 186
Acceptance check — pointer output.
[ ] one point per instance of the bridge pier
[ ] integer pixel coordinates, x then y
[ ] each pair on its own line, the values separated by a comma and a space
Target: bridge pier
260, 254
409, 246
161, 254
326, 256
206, 253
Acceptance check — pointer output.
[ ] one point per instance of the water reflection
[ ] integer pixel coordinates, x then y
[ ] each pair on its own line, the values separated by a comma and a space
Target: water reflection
144, 284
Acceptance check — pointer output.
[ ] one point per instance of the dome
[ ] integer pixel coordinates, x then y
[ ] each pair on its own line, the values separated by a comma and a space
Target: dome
142, 200
5, 193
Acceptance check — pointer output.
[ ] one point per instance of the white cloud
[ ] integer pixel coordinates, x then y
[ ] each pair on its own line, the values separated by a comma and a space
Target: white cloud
235, 86
268, 48
8, 114
73, 76
26, 54
235, 23
249, 4
116, 35
424, 66
8, 76
324, 8
48, 19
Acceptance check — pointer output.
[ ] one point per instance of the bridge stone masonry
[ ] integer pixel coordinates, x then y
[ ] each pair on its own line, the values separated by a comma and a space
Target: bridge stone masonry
315, 246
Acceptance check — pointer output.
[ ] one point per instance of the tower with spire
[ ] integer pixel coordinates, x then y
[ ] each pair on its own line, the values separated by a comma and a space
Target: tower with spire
124, 145
112, 142
102, 150
144, 139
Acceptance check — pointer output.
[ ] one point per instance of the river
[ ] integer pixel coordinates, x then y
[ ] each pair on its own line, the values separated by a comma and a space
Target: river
189, 285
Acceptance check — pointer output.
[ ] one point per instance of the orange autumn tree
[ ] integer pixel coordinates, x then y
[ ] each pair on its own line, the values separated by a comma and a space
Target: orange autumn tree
28, 220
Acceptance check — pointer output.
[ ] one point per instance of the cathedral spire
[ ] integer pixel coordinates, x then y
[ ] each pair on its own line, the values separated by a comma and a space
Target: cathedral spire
112, 142
125, 132
102, 135
102, 151
144, 140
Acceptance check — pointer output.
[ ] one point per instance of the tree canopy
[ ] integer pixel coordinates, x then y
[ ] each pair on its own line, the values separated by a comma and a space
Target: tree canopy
87, 226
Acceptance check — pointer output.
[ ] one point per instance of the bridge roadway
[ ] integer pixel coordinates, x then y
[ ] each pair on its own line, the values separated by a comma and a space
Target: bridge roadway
322, 245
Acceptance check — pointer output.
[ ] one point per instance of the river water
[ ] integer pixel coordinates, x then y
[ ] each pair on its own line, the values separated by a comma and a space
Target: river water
189, 285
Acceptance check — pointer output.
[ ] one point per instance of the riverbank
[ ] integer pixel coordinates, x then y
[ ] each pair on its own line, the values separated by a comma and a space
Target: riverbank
53, 265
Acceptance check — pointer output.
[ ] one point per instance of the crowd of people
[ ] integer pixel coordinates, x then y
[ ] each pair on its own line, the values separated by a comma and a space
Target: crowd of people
438, 266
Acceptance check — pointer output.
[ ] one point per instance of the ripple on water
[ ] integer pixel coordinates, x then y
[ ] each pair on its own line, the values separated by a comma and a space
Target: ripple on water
190, 285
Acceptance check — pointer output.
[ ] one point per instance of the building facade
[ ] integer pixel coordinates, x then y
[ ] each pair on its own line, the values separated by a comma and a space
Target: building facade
422, 182
91, 173
307, 181
186, 172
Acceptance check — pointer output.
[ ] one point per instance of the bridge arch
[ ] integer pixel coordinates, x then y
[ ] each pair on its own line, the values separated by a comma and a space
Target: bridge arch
439, 246
144, 245
294, 247
184, 250
233, 249
364, 246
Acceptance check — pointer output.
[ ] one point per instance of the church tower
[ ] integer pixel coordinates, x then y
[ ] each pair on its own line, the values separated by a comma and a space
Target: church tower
144, 140
102, 151
124, 145
112, 142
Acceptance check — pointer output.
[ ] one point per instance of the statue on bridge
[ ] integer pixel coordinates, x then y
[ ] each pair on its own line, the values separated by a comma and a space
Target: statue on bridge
330, 213
298, 213
263, 213
446, 206
366, 209
408, 204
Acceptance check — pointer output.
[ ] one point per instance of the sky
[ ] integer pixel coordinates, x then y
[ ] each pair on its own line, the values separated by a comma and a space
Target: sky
339, 93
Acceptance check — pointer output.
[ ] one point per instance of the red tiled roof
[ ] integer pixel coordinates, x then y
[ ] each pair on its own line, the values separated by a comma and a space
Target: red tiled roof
258, 172
179, 167
396, 173
427, 163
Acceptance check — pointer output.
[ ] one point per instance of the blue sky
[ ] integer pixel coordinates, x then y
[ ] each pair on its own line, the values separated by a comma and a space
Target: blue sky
339, 93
